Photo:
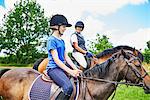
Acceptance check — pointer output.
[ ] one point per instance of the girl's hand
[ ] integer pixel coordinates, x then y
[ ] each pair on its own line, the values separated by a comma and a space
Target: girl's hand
80, 71
75, 73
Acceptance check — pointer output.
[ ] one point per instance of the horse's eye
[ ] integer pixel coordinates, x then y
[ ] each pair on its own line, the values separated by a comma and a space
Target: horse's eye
127, 57
137, 64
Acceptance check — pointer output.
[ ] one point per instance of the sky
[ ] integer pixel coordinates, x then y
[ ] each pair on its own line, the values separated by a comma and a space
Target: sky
125, 22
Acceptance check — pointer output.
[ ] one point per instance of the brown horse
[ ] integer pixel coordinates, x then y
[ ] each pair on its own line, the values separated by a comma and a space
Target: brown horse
40, 64
96, 83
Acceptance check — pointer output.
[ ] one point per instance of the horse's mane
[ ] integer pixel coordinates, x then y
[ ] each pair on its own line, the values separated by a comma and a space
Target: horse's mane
99, 70
116, 49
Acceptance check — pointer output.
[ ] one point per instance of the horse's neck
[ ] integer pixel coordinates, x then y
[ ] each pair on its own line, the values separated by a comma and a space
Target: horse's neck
102, 90
96, 90
112, 74
1, 86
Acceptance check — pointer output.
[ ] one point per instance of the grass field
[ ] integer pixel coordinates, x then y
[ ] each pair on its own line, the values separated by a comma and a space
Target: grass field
130, 93
146, 66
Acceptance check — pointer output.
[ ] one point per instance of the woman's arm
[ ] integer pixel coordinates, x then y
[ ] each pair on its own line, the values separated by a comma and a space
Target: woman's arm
74, 73
88, 54
69, 61
75, 45
59, 62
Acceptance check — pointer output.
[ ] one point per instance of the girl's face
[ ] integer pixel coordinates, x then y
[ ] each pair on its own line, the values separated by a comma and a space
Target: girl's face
79, 29
62, 29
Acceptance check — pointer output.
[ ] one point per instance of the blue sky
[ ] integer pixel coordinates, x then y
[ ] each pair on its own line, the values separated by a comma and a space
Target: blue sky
125, 22
2, 3
129, 18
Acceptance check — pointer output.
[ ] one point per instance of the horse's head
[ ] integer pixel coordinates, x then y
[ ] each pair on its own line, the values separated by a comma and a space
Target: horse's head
133, 71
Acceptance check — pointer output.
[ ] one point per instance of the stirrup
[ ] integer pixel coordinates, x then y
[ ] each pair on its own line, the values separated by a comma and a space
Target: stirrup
62, 96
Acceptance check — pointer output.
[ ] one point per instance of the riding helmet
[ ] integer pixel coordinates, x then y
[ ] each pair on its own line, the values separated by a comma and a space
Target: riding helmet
59, 20
79, 24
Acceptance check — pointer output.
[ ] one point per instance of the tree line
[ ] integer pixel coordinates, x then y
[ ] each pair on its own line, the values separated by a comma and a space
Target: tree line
25, 30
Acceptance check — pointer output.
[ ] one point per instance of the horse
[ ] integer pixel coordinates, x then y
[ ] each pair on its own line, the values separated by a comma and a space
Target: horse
97, 83
40, 64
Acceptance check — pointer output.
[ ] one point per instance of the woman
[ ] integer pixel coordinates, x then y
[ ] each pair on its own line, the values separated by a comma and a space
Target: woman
57, 57
78, 44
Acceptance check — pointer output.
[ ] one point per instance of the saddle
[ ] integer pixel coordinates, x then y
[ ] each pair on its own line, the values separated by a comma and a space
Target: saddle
44, 87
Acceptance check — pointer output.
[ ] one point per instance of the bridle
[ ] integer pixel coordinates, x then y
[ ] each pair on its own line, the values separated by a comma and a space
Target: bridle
130, 65
135, 70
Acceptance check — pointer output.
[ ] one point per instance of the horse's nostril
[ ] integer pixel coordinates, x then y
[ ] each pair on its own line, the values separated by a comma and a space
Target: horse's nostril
147, 91
141, 83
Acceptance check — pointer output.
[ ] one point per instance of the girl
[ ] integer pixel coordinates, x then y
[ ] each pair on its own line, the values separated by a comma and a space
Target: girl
57, 56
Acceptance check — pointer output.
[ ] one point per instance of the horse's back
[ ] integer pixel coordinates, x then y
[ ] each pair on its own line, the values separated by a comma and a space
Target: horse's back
20, 72
16, 82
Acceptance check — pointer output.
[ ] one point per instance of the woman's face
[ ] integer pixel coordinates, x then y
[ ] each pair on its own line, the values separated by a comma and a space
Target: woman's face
62, 29
79, 29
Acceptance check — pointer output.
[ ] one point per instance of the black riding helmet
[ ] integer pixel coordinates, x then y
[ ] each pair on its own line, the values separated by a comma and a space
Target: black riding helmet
59, 20
79, 24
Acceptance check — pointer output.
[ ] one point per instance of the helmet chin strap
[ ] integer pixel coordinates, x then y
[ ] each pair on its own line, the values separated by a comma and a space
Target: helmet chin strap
59, 31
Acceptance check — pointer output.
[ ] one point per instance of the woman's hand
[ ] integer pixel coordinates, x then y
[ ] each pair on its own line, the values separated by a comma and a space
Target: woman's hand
75, 73
89, 54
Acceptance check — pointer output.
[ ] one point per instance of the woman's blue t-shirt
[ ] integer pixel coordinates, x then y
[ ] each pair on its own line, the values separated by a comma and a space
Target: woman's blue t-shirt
59, 45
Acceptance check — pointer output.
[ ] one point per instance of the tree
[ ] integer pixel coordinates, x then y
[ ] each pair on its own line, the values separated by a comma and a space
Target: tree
1, 34
101, 43
24, 29
148, 44
147, 53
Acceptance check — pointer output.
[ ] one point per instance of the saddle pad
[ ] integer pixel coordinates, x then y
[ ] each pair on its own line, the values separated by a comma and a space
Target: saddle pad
39, 90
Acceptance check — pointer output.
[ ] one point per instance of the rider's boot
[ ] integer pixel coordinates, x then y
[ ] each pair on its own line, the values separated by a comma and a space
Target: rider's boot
62, 96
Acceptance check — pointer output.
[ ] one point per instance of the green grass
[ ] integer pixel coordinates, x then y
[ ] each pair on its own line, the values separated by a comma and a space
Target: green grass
130, 93
146, 66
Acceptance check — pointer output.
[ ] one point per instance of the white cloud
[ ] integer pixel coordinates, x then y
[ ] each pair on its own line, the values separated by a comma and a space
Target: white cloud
136, 2
88, 10
10, 4
75, 9
3, 11
93, 26
136, 39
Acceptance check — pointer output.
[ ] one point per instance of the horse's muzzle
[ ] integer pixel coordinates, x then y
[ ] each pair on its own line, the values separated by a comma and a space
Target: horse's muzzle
147, 91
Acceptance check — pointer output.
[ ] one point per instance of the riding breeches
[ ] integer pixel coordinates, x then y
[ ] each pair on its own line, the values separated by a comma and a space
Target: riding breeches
60, 78
79, 57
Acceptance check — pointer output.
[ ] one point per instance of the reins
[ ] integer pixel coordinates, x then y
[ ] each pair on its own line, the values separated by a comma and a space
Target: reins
108, 81
85, 79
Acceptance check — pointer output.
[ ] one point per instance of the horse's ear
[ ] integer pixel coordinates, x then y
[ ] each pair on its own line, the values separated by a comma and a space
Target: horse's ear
135, 52
123, 53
